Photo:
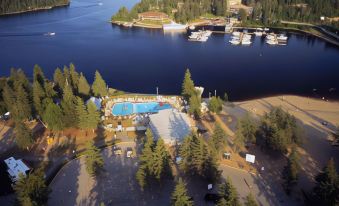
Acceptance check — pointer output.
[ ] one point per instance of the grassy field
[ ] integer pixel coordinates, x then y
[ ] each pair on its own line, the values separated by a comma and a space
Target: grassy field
155, 22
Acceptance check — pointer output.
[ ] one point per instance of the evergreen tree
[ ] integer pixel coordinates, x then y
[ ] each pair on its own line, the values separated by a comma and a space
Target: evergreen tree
68, 105
228, 193
93, 117
53, 117
246, 132
23, 106
74, 77
32, 190
141, 176
99, 85
9, 98
291, 170
186, 153
250, 200
195, 105
218, 137
23, 135
187, 86
160, 160
215, 105
83, 87
93, 158
327, 186
59, 78
38, 75
38, 97
81, 114
180, 196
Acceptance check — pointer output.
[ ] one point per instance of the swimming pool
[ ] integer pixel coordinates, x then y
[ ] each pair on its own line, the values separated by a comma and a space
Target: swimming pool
128, 108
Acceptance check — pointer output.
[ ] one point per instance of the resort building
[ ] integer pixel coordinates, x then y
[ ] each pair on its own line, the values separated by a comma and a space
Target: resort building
153, 15
171, 125
15, 168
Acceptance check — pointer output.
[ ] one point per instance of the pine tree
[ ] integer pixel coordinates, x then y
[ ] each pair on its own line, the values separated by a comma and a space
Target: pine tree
67, 76
81, 114
187, 86
99, 85
59, 78
23, 135
38, 75
53, 117
74, 77
32, 190
180, 196
93, 158
141, 176
327, 186
185, 152
291, 170
228, 193
218, 137
215, 105
68, 105
146, 157
23, 106
93, 117
199, 154
160, 159
38, 96
195, 105
83, 87
246, 132
250, 200
9, 98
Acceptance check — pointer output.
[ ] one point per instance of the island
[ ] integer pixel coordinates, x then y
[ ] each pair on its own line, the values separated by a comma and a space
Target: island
20, 6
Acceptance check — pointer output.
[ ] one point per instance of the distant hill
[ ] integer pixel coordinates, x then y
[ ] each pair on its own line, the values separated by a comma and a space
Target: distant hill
19, 6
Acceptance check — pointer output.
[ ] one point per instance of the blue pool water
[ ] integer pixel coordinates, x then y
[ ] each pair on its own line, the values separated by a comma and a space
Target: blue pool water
128, 108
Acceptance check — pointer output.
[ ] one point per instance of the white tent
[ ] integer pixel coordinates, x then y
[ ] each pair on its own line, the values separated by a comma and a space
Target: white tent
170, 125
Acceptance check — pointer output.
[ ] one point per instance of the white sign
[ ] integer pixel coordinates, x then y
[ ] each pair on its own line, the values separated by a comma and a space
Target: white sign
250, 158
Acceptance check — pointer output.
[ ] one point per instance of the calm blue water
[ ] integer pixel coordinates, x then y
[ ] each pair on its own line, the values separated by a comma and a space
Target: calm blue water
128, 108
139, 60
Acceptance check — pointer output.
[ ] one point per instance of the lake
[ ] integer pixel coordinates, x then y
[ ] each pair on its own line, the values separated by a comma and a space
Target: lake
139, 60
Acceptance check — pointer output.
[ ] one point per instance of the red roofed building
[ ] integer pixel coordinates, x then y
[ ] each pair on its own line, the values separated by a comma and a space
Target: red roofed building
152, 15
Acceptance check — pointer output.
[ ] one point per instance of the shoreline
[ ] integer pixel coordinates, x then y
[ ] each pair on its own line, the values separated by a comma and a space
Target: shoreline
34, 10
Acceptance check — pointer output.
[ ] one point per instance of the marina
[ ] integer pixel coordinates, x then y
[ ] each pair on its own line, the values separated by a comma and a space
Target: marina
200, 36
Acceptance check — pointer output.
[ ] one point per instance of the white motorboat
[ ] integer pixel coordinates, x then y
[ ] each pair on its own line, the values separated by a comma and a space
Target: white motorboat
282, 37
246, 42
192, 27
270, 37
271, 42
259, 29
50, 34
258, 33
266, 29
234, 42
236, 33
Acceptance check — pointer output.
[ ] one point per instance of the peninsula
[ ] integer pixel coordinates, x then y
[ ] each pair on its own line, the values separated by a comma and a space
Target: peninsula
21, 6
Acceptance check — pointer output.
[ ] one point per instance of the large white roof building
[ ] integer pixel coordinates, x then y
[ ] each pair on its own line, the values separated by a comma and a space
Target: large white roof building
170, 125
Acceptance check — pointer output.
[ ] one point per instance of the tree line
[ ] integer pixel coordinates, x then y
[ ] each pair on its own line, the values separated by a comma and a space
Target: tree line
10, 6
270, 12
59, 104
181, 11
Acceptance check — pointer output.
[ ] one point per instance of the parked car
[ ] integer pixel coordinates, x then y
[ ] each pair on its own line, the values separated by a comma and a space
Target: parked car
129, 152
117, 151
212, 197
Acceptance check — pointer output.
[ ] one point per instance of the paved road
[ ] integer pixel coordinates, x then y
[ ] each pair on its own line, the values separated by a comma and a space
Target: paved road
266, 193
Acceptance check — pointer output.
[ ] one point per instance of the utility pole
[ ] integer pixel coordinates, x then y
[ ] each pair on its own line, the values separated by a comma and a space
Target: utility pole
157, 91
215, 93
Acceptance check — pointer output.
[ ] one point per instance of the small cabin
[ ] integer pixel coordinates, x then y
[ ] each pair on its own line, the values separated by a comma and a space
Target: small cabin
15, 168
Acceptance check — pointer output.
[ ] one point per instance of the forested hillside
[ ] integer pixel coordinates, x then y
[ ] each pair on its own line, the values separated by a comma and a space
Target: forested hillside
11, 6
264, 11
